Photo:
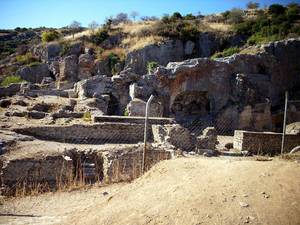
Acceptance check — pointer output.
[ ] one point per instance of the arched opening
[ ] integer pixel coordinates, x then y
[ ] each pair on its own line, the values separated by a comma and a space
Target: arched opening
191, 103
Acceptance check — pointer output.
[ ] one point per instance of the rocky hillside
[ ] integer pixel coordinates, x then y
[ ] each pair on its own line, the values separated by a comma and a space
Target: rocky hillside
194, 68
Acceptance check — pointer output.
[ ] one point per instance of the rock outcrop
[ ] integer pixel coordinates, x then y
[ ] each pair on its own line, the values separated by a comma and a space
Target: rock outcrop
34, 73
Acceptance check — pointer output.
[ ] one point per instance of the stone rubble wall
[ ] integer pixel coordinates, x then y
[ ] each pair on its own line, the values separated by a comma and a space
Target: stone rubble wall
119, 165
263, 143
20, 173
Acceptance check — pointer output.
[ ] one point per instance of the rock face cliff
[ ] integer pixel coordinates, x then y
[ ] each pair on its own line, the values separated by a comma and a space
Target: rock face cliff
237, 92
176, 50
241, 90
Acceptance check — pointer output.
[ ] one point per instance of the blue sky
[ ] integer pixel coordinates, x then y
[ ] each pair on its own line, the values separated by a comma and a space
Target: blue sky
59, 13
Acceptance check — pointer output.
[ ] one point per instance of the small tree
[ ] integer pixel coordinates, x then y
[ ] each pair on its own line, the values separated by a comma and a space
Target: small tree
252, 5
276, 9
121, 18
134, 14
74, 26
93, 25
236, 15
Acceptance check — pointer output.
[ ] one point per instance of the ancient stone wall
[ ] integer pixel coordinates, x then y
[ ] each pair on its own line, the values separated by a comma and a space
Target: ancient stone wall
263, 142
116, 165
21, 173
126, 165
84, 134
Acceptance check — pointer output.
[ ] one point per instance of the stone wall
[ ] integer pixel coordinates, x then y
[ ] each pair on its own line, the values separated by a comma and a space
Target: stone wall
127, 165
123, 163
99, 133
29, 172
263, 143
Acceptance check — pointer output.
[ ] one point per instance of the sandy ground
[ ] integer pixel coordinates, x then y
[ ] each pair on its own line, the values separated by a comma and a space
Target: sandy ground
182, 191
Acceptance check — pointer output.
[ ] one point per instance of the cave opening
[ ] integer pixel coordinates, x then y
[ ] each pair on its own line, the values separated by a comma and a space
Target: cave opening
191, 103
113, 106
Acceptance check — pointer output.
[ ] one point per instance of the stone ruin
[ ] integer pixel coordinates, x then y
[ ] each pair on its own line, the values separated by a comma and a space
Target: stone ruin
67, 121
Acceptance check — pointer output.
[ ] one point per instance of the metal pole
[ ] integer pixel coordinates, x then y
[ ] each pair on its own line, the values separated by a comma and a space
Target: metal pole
284, 122
145, 131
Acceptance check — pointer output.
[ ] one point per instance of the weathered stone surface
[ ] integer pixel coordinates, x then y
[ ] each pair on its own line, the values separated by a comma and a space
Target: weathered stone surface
207, 44
93, 104
86, 66
241, 86
268, 143
76, 48
41, 107
175, 135
95, 133
93, 87
68, 68
10, 90
172, 50
137, 107
48, 52
189, 48
35, 73
293, 128
208, 140
33, 171
102, 67
36, 115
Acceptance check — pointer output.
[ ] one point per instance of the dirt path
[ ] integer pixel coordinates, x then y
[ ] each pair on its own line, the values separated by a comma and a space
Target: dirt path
181, 191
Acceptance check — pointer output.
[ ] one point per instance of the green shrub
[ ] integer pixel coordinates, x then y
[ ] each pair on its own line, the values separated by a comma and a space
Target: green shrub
151, 66
26, 59
189, 16
276, 9
100, 36
48, 36
259, 38
126, 112
226, 52
11, 80
65, 47
87, 116
181, 29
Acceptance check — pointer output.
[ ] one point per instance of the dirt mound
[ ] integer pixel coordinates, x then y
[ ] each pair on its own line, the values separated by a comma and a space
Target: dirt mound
183, 191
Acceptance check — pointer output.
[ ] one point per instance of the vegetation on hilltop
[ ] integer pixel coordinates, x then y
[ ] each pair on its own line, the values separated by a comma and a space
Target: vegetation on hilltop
124, 33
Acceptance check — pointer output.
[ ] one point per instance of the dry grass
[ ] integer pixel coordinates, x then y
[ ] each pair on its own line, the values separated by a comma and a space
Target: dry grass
135, 28
252, 50
117, 51
78, 35
221, 27
134, 43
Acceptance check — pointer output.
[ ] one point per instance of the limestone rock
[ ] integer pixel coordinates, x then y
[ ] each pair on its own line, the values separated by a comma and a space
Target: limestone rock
293, 128
68, 68
174, 135
172, 50
208, 140
10, 90
86, 66
48, 52
93, 104
137, 107
35, 73
93, 87
102, 68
